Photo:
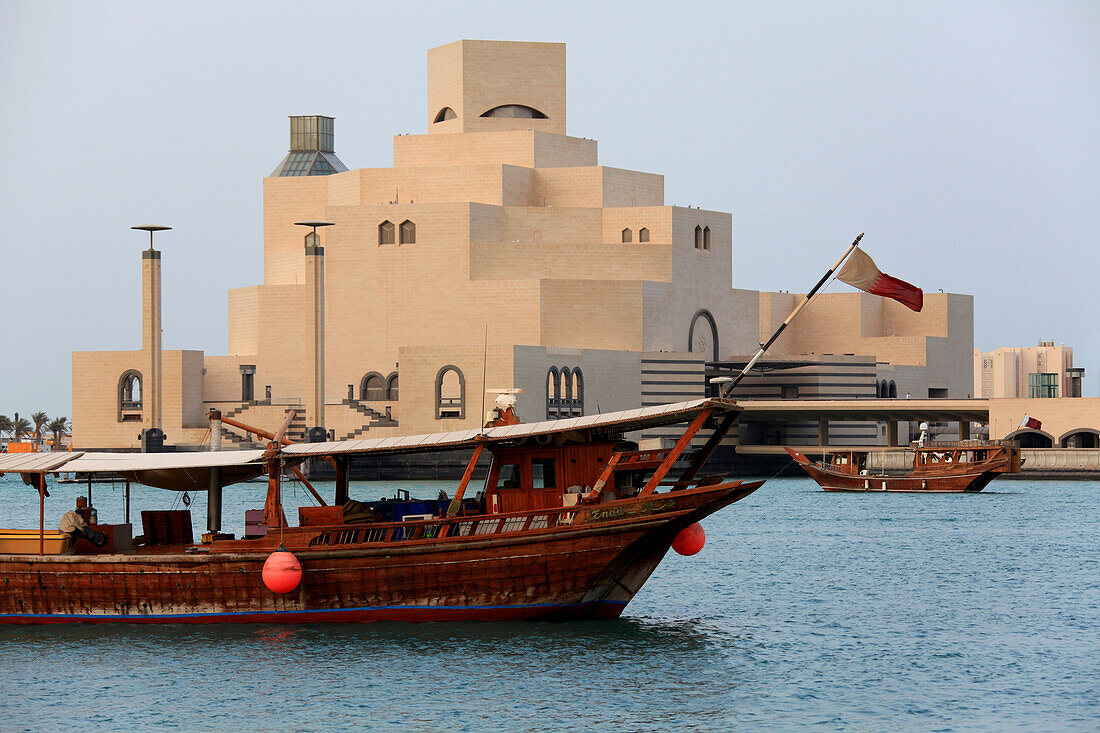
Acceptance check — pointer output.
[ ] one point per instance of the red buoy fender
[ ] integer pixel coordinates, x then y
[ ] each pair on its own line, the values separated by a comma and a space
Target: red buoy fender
282, 571
690, 540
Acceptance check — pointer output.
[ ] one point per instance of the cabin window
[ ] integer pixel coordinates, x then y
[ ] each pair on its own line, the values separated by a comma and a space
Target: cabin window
408, 232
542, 473
643, 235
509, 477
385, 232
626, 236
372, 388
391, 387
450, 393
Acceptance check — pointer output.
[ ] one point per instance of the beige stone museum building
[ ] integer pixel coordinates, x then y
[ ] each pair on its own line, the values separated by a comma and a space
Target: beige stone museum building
498, 253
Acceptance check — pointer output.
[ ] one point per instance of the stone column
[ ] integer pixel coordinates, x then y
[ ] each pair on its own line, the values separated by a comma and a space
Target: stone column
315, 288
892, 432
151, 340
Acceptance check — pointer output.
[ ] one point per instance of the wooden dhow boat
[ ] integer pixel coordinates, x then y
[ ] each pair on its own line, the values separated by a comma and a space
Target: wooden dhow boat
967, 466
571, 522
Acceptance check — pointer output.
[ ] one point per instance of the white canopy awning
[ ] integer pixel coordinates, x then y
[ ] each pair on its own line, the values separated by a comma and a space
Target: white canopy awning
178, 471
35, 462
191, 471
618, 422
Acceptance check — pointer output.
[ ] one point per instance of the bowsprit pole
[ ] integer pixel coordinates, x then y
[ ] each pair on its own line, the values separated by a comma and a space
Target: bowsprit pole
727, 389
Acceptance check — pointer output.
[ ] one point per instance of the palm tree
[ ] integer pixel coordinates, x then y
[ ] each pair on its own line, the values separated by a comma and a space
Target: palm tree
40, 421
5, 424
20, 426
59, 426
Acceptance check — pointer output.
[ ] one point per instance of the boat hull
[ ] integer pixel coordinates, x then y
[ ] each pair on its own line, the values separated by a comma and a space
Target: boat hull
590, 569
955, 484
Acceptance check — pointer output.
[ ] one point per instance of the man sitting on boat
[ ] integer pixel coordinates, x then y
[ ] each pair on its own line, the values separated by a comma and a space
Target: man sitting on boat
74, 525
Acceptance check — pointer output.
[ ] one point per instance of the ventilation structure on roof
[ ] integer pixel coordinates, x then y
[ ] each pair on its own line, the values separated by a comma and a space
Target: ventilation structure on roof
311, 149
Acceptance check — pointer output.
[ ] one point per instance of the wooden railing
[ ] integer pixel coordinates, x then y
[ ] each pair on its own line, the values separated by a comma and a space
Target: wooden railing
482, 524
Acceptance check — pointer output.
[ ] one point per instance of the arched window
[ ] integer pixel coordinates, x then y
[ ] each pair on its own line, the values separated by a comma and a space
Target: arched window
445, 114
553, 393
372, 388
883, 390
450, 393
576, 408
391, 387
626, 236
643, 235
129, 396
385, 232
702, 326
408, 232
893, 389
564, 392
515, 111
698, 237
706, 238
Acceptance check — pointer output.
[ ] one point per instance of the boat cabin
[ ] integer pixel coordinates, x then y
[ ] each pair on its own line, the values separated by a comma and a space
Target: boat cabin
848, 462
936, 458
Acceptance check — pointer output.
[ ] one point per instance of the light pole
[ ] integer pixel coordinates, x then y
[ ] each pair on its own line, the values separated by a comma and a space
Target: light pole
152, 434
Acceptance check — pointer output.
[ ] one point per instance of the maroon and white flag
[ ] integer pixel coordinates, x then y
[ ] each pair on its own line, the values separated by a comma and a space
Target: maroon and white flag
860, 272
1030, 422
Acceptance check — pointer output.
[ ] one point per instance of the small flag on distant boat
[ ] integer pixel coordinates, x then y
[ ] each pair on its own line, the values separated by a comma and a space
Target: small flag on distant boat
1030, 422
860, 272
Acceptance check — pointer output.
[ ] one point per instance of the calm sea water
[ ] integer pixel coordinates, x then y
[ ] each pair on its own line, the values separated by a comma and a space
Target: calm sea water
804, 610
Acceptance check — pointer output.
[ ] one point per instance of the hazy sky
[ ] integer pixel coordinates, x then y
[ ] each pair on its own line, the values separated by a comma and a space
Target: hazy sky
964, 138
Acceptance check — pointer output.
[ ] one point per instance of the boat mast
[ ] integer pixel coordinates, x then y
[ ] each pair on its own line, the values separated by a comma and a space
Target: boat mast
273, 505
728, 388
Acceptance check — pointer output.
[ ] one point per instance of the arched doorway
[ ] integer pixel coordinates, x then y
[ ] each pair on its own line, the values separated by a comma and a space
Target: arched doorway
703, 335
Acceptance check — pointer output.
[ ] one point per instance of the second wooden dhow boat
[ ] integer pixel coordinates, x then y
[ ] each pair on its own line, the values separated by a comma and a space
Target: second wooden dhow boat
968, 466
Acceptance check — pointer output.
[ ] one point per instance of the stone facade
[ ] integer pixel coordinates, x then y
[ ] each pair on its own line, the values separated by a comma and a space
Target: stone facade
497, 253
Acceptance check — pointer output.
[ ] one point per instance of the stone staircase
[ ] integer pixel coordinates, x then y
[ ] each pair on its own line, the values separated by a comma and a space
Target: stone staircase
374, 419
231, 438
